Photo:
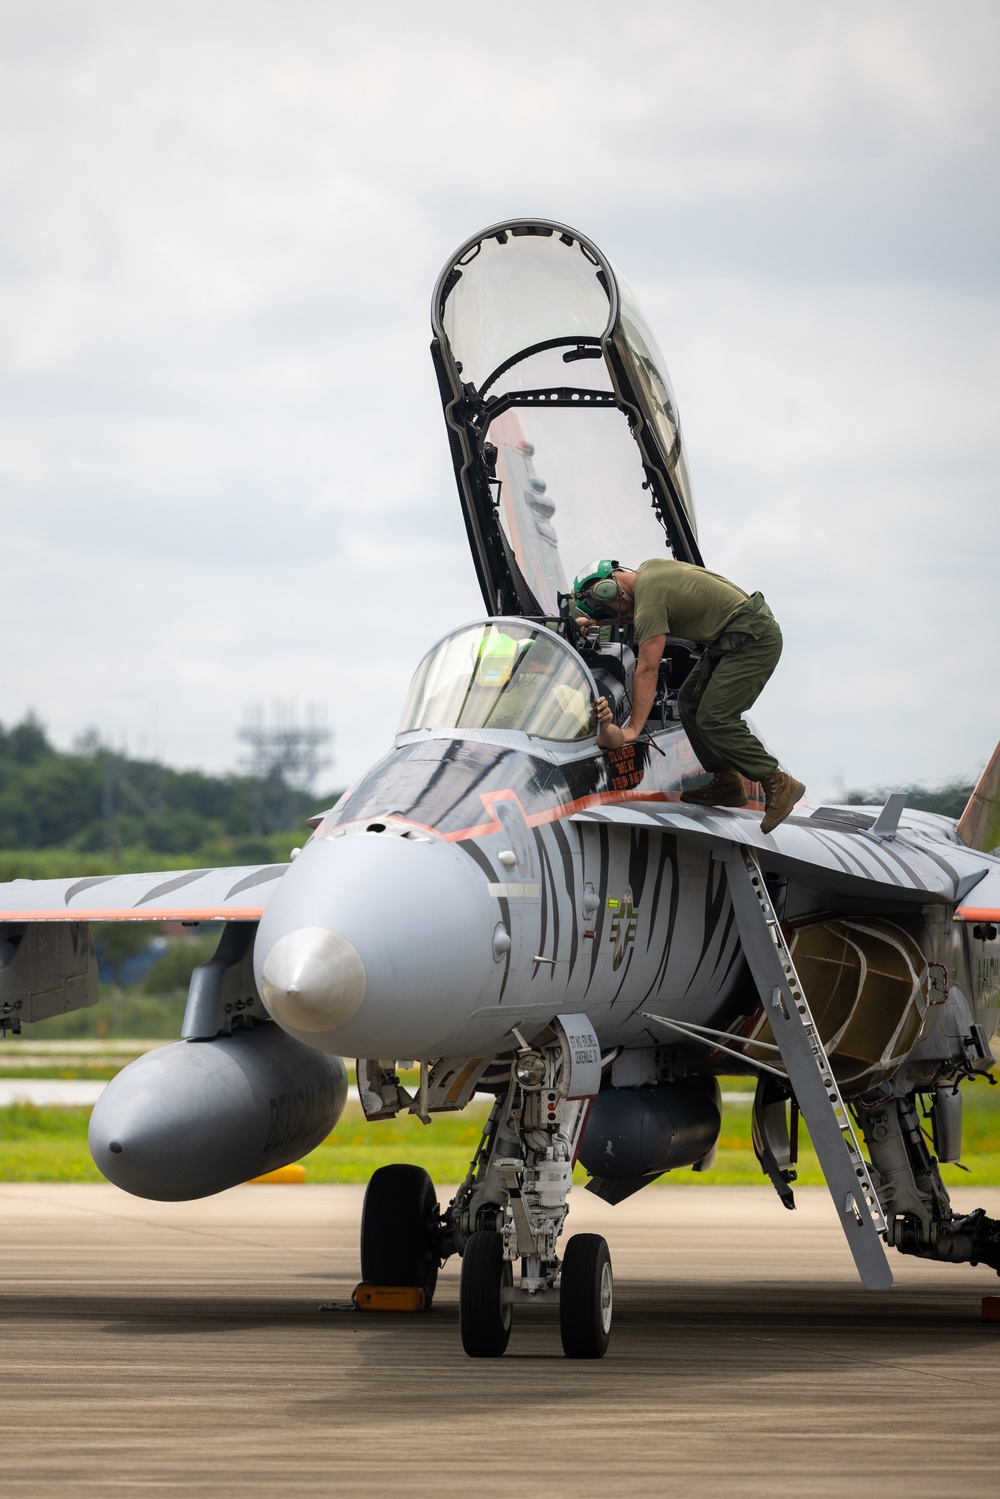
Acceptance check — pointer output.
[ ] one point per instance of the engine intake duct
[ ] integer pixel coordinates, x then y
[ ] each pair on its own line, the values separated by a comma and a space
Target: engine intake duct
197, 1117
869, 991
633, 1135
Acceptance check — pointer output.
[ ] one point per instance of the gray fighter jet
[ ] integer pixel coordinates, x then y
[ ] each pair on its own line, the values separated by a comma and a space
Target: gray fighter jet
535, 920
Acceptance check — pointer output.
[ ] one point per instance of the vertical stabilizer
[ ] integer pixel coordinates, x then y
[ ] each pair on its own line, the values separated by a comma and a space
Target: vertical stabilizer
979, 824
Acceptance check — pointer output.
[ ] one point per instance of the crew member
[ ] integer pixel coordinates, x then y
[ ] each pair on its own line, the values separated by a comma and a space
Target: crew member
742, 644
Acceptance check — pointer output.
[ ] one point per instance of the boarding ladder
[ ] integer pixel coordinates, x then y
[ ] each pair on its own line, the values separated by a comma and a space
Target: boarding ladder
808, 1067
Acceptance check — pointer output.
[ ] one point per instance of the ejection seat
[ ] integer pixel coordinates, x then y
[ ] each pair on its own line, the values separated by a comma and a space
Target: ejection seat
612, 665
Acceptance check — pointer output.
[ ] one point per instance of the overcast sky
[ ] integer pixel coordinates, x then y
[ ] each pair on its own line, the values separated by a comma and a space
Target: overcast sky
224, 478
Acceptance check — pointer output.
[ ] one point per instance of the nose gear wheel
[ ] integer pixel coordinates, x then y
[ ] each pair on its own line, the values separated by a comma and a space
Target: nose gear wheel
586, 1297
485, 1296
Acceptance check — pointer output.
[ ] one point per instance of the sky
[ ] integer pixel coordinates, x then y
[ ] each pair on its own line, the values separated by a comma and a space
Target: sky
224, 477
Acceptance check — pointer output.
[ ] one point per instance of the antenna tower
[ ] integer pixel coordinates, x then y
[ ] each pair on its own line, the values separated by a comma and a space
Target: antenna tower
284, 758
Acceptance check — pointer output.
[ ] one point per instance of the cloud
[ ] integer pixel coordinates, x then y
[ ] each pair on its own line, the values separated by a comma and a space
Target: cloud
223, 467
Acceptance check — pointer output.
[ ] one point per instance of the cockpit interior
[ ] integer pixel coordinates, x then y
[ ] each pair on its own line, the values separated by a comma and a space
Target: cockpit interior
518, 675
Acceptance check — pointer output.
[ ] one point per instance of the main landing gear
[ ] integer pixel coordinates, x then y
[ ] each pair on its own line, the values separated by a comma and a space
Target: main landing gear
507, 1216
401, 1229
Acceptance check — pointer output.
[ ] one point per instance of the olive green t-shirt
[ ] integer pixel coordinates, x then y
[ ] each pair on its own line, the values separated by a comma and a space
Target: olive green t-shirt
677, 598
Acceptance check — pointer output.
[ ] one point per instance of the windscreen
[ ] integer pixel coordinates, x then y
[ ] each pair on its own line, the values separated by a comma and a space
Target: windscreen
501, 675
525, 319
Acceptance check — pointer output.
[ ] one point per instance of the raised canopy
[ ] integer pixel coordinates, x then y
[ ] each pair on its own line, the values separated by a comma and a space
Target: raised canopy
563, 426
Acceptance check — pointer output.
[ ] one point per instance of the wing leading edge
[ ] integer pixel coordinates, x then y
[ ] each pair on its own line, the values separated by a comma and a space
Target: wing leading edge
910, 865
231, 894
981, 902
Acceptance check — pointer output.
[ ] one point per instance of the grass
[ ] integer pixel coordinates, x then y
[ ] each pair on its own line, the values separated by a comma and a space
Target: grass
224, 851
97, 1072
45, 1145
120, 1014
50, 1144
356, 1148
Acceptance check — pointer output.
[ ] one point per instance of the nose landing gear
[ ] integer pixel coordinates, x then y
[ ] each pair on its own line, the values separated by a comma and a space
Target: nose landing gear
486, 1296
511, 1207
586, 1297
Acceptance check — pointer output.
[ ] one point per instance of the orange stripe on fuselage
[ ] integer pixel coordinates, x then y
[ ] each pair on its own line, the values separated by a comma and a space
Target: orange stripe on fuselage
565, 809
553, 814
533, 819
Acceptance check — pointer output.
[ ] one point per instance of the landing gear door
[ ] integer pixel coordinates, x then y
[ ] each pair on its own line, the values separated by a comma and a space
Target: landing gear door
580, 1045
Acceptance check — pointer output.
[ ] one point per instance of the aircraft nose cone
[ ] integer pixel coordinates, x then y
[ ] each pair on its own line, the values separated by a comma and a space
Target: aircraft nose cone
313, 979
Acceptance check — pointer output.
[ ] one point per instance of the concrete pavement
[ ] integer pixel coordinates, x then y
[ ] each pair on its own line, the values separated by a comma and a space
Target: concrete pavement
155, 1348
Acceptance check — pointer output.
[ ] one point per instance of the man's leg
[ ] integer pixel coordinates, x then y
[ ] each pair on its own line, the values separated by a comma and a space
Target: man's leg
734, 686
689, 698
726, 788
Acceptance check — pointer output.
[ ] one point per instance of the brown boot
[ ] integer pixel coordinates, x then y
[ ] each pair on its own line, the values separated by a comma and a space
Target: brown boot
781, 792
725, 789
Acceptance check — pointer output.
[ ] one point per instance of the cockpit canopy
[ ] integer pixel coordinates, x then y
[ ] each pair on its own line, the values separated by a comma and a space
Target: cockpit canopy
502, 674
566, 439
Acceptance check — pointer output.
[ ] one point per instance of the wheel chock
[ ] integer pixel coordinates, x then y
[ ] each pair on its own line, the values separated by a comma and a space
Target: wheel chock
369, 1298
991, 1308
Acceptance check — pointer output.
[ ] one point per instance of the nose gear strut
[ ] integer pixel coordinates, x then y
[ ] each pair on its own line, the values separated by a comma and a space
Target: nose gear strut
513, 1203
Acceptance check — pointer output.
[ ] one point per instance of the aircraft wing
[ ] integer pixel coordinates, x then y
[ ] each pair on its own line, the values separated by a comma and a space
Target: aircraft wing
831, 849
234, 894
982, 901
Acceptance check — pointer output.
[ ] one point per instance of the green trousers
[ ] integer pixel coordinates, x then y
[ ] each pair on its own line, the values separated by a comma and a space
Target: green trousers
723, 685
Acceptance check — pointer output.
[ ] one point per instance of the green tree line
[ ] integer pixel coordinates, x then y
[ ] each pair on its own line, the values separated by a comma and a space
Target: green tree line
949, 800
95, 808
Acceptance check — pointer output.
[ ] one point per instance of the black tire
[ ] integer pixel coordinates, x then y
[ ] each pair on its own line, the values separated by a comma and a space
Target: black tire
399, 1230
484, 1314
586, 1297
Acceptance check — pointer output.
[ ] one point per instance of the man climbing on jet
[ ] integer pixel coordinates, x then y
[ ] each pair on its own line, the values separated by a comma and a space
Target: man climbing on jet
742, 644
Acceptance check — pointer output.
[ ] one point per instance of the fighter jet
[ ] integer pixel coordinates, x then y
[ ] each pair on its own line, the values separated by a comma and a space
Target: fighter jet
529, 918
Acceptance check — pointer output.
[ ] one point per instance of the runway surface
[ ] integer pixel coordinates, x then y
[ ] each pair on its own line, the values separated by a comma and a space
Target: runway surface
155, 1348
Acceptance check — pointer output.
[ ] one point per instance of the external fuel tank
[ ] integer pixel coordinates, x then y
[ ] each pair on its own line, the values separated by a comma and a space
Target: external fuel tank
196, 1117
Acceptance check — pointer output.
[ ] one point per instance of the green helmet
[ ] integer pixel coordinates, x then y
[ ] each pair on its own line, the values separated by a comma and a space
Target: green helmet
596, 586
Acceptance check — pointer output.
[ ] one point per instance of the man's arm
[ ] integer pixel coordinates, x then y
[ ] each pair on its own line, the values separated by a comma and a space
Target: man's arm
609, 735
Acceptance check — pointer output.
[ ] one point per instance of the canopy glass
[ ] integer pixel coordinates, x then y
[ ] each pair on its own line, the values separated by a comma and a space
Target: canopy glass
502, 674
537, 321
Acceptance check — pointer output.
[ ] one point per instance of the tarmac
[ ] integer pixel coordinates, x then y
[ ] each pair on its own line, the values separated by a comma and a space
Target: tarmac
151, 1348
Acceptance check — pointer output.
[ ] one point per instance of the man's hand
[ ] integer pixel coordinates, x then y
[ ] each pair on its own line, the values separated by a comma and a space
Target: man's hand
609, 735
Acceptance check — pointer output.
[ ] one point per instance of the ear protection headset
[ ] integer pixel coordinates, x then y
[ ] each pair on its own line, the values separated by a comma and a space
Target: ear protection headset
595, 587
